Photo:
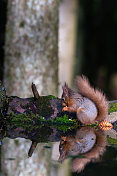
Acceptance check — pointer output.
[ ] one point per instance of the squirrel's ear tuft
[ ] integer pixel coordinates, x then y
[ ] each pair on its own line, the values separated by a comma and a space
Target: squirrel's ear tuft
65, 88
65, 85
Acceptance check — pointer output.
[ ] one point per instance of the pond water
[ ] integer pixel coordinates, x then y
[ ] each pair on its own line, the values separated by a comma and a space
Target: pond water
78, 151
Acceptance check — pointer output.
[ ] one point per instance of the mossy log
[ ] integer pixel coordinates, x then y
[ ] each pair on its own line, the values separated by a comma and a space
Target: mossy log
46, 107
32, 109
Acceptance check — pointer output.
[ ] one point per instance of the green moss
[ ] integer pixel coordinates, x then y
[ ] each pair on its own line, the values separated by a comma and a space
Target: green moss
111, 140
61, 123
64, 119
45, 109
112, 107
27, 121
64, 127
50, 97
23, 116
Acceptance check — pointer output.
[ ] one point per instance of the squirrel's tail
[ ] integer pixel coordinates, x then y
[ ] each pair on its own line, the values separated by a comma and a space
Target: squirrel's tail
95, 95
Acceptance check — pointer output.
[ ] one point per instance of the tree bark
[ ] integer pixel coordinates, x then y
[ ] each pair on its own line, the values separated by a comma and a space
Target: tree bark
31, 47
31, 55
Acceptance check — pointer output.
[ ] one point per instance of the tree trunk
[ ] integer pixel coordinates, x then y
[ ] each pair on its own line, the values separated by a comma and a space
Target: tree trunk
31, 47
30, 56
67, 41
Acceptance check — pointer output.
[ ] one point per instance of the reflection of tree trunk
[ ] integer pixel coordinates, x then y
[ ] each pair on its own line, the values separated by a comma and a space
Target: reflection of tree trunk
31, 56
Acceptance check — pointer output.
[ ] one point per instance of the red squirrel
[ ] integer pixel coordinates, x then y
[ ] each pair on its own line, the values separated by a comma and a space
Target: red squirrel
89, 104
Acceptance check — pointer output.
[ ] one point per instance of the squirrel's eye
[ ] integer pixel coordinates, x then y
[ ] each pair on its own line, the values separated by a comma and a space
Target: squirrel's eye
63, 99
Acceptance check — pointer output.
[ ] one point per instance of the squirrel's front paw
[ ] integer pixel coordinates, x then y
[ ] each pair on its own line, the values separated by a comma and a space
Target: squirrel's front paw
65, 108
79, 110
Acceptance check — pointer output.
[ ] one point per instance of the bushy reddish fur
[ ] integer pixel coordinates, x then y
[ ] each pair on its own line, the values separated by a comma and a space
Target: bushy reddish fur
95, 95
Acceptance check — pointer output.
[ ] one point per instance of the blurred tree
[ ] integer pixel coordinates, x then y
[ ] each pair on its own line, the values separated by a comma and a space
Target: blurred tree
31, 55
67, 41
97, 45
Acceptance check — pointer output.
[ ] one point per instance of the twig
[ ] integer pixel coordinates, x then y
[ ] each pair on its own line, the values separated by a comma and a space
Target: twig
32, 148
35, 91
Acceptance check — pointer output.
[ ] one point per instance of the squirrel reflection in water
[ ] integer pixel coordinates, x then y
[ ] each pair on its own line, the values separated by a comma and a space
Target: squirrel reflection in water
88, 142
